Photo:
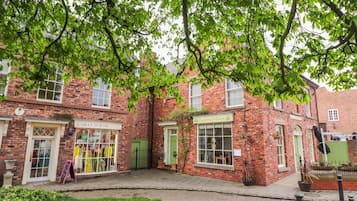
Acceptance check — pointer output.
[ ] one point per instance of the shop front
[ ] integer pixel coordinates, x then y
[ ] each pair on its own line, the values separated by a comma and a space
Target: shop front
96, 146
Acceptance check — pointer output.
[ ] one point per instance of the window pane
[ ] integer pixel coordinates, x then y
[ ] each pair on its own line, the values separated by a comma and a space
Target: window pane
195, 90
217, 139
227, 143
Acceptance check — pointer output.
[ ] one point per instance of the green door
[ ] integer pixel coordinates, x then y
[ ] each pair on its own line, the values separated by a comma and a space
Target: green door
173, 149
298, 148
139, 150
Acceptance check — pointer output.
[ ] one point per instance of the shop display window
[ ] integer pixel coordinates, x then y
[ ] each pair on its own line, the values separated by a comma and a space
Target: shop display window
94, 151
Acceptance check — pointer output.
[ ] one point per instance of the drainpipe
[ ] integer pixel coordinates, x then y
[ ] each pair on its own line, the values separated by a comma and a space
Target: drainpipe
317, 110
151, 126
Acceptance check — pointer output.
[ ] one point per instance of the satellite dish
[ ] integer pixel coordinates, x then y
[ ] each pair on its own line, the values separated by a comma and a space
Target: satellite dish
19, 111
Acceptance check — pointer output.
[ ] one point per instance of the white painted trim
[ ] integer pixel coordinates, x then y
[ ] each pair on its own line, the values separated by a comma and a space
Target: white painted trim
167, 144
226, 94
296, 117
97, 124
55, 144
167, 123
7, 74
110, 97
46, 121
300, 144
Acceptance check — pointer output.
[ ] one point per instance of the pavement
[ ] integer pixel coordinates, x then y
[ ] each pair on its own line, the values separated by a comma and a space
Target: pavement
154, 179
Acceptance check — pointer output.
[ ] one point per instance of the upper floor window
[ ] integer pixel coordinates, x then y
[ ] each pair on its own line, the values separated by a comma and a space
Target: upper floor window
234, 94
278, 104
333, 115
308, 109
4, 71
279, 129
53, 88
195, 96
308, 106
101, 94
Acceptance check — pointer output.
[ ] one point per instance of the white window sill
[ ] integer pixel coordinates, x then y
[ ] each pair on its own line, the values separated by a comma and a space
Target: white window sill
283, 169
215, 166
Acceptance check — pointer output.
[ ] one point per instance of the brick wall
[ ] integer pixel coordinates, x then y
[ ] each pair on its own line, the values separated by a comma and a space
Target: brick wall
345, 102
252, 132
76, 102
331, 184
352, 150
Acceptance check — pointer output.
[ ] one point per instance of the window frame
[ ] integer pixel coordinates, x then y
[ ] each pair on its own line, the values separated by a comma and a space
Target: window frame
227, 91
52, 81
276, 106
5, 74
198, 149
109, 91
190, 97
280, 145
334, 114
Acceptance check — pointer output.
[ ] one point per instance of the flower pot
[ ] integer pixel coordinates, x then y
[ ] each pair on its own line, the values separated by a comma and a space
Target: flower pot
9, 164
173, 166
306, 187
160, 164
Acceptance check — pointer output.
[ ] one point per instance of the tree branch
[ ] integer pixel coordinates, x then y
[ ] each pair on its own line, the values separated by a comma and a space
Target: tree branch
191, 47
283, 38
59, 36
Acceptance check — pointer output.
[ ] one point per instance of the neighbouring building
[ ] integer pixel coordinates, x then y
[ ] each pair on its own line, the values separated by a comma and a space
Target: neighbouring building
337, 110
241, 138
74, 121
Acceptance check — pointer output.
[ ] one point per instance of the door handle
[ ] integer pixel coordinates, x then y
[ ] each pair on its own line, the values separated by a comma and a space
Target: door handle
30, 157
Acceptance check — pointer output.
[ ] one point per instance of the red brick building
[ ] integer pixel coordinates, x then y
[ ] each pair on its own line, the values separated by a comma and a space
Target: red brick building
59, 122
240, 138
338, 110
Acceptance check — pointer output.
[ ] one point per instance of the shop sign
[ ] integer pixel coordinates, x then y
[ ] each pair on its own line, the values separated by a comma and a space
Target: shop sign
217, 118
81, 123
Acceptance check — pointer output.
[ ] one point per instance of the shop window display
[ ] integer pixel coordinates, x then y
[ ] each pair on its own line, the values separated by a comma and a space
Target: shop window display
94, 151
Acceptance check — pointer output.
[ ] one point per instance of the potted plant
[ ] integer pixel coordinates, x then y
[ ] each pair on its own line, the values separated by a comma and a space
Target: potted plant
348, 167
306, 180
161, 163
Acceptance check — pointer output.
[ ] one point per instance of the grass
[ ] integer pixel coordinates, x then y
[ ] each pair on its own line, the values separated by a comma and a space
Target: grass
23, 194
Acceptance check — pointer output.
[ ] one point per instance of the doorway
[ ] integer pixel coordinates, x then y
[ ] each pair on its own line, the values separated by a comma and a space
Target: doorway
139, 154
298, 148
170, 146
42, 152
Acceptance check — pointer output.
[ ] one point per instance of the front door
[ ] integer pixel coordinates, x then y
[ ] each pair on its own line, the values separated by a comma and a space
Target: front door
171, 146
40, 159
298, 148
42, 152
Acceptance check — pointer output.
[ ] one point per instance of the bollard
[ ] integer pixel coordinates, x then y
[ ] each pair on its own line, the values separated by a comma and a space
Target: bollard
340, 188
350, 198
299, 196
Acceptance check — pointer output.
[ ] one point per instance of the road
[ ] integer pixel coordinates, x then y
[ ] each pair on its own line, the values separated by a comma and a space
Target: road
166, 195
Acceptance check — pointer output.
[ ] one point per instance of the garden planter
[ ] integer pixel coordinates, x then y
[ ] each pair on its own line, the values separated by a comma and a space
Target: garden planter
306, 187
174, 167
327, 168
161, 164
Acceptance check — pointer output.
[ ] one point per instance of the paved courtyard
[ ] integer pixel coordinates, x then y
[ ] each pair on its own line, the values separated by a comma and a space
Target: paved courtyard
154, 179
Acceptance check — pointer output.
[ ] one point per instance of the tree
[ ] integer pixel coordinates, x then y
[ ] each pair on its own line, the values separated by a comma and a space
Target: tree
244, 40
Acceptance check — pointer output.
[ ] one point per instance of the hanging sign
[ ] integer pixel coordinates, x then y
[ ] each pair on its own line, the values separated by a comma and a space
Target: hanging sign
67, 169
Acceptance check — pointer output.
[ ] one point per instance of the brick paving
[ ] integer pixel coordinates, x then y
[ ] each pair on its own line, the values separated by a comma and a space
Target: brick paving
165, 180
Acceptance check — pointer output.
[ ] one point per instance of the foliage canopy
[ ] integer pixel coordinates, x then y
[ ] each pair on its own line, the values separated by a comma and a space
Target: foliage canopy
253, 41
